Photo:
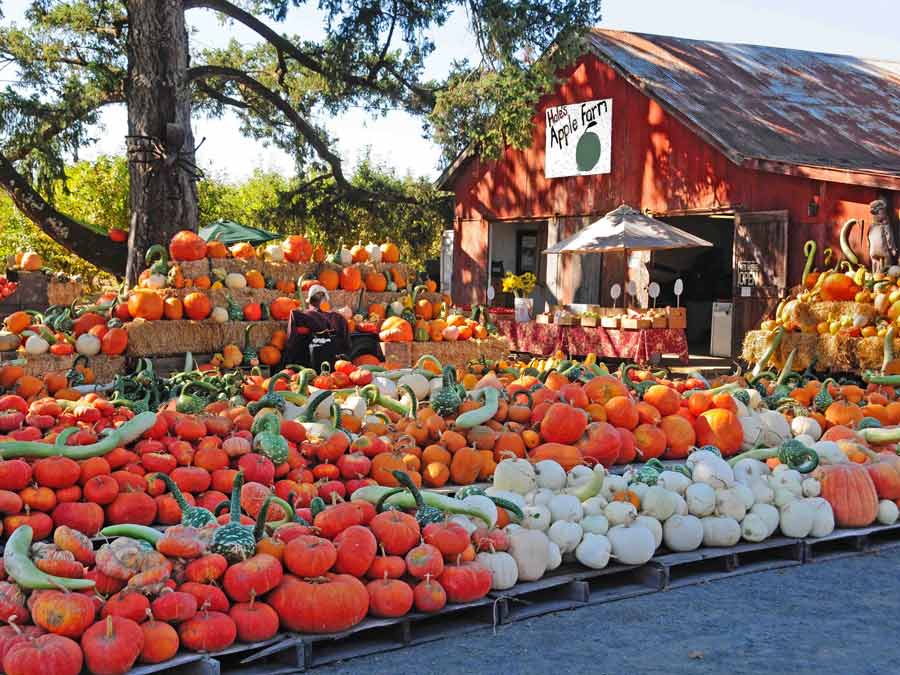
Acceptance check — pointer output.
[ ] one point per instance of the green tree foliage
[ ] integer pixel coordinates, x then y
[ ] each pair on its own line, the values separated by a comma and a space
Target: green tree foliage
73, 57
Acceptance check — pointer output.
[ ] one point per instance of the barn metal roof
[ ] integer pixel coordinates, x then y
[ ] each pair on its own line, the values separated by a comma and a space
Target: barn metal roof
825, 116
767, 107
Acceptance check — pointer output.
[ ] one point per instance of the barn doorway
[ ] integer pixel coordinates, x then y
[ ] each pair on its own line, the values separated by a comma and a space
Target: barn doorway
517, 247
707, 273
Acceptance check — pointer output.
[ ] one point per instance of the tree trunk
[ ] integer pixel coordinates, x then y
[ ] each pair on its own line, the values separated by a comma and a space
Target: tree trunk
163, 193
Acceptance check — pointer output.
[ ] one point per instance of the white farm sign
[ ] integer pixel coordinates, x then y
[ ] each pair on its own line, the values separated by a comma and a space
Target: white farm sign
579, 139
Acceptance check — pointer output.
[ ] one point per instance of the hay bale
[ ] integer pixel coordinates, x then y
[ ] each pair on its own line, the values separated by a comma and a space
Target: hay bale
837, 353
63, 292
163, 338
107, 367
385, 298
351, 299
279, 271
398, 352
192, 269
755, 344
39, 365
233, 332
834, 310
806, 344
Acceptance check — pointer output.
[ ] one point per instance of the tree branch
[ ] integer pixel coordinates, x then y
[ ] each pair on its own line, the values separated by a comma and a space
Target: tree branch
200, 73
220, 97
78, 238
284, 45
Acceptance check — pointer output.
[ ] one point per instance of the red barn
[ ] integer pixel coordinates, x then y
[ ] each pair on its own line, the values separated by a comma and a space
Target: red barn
755, 149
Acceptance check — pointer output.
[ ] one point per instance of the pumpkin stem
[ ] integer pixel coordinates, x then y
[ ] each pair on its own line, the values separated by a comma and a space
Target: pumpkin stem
252, 597
12, 622
109, 627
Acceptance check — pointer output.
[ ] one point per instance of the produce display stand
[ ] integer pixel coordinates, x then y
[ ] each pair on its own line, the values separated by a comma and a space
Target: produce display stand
38, 290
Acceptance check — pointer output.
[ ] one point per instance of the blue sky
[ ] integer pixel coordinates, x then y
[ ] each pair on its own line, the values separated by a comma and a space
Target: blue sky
862, 28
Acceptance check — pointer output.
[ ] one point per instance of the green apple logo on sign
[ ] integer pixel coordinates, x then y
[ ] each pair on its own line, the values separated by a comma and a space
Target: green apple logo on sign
588, 150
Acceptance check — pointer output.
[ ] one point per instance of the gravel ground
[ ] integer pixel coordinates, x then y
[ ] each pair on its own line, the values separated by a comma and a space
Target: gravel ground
830, 617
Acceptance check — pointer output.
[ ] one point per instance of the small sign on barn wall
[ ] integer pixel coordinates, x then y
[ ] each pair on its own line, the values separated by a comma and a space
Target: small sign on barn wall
578, 139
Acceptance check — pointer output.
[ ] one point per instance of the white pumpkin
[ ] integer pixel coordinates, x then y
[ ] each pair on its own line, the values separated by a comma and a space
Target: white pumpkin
274, 252
596, 524
769, 515
579, 476
823, 524
516, 475
36, 345
514, 497
659, 503
681, 507
503, 567
593, 506
345, 256
730, 504
830, 452
536, 518
701, 499
797, 518
550, 475
611, 485
593, 551
811, 487
566, 507
806, 426
418, 383
620, 513
631, 544
762, 492
652, 524
887, 512
542, 496
675, 481
753, 431
219, 314
566, 535
747, 470
776, 428
235, 280
529, 548
707, 467
554, 556
683, 533
746, 495
87, 344
155, 281
719, 531
374, 251
754, 528
386, 386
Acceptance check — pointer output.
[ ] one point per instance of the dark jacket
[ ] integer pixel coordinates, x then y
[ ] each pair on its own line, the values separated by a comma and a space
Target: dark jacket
304, 324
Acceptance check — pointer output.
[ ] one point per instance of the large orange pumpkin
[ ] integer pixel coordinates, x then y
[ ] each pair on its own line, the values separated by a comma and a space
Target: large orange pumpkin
395, 329
243, 251
281, 309
389, 253
663, 398
884, 471
329, 279
31, 262
843, 413
720, 428
197, 306
376, 282
351, 279
326, 604
680, 436
216, 249
297, 249
604, 387
187, 245
563, 423
359, 253
173, 309
851, 493
145, 303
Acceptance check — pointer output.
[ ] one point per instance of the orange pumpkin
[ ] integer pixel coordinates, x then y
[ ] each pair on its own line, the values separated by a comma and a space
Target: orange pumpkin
216, 249
173, 309
720, 428
567, 456
270, 355
378, 310
376, 282
297, 249
202, 282
187, 245
350, 279
329, 279
197, 306
850, 491
465, 466
31, 262
114, 341
359, 253
389, 253
395, 329
843, 413
144, 303
278, 339
255, 279
398, 278
243, 251
281, 308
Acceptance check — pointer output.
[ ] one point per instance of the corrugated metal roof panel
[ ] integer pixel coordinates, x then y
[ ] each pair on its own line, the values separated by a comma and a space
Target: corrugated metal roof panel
766, 103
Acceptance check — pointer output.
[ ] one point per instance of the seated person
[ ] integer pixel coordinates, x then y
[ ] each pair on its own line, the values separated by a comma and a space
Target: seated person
304, 325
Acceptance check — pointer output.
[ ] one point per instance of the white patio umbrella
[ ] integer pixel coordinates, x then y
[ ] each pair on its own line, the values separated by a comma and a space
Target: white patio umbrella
626, 229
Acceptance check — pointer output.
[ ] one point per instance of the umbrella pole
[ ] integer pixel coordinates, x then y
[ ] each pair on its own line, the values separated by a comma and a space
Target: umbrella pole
625, 282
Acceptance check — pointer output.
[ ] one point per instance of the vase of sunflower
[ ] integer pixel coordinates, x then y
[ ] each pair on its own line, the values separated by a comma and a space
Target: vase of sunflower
521, 285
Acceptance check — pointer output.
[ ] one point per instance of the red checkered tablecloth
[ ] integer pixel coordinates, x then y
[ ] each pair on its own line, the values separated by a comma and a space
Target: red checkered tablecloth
640, 346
